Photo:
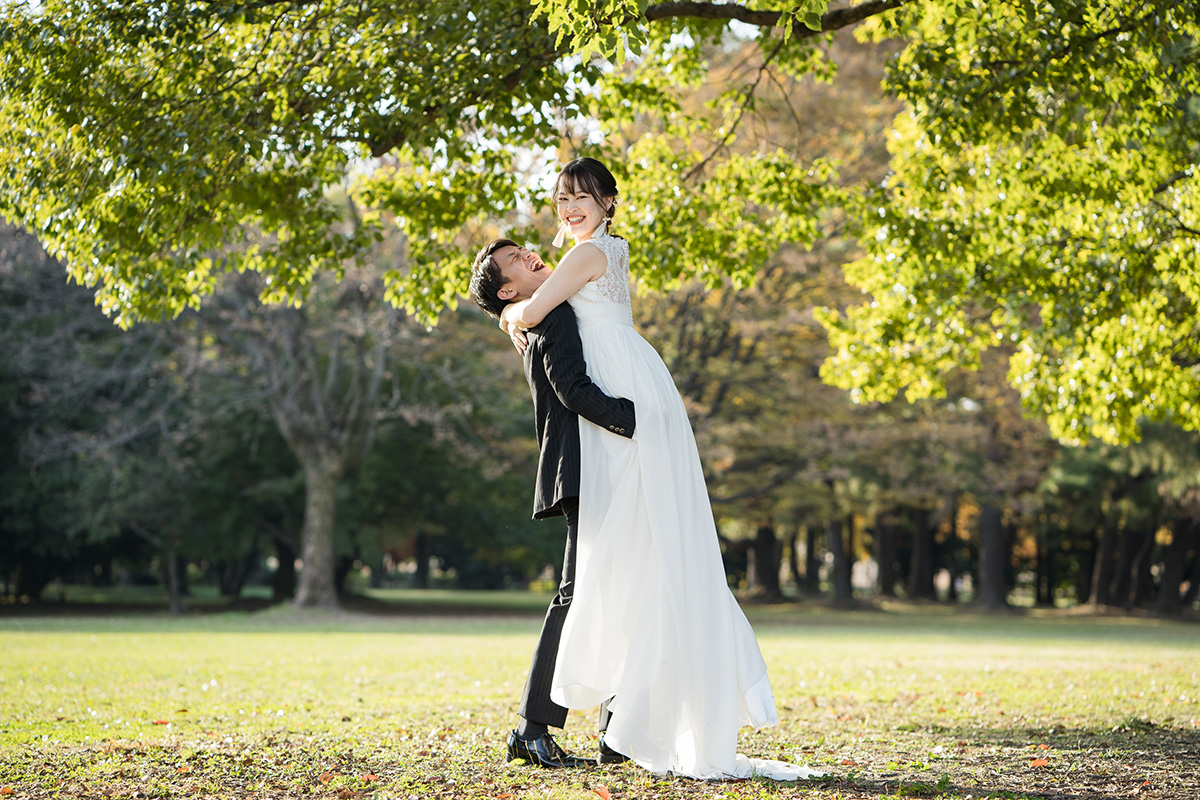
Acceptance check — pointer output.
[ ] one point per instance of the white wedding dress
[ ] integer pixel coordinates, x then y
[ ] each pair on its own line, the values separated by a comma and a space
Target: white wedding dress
653, 625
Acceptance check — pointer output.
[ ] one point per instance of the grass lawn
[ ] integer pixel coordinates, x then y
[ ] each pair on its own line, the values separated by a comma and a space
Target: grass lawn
892, 704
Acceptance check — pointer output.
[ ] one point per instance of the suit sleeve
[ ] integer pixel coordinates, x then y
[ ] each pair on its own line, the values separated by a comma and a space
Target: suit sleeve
562, 356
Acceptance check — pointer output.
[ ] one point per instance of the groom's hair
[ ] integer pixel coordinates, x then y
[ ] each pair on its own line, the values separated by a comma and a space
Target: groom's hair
487, 280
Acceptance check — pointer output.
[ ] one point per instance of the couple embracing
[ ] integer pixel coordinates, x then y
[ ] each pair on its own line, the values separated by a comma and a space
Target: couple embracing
643, 624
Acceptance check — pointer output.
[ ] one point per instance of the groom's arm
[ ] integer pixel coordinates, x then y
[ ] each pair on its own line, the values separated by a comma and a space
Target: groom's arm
562, 357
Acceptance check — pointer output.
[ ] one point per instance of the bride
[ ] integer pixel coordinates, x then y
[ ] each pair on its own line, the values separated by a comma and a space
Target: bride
653, 627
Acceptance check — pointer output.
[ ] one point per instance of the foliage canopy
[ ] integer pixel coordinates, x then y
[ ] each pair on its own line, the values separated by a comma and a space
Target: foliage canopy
1042, 195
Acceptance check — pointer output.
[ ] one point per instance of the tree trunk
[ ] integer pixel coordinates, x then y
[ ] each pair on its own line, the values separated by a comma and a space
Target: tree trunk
764, 565
341, 572
1170, 599
842, 591
885, 557
1087, 566
793, 559
1131, 541
283, 582
317, 587
1045, 569
1102, 574
232, 574
174, 590
920, 572
812, 568
421, 550
949, 552
993, 555
1140, 578
1194, 579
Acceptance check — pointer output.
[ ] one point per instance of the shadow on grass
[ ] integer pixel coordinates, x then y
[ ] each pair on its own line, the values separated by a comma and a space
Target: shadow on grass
412, 602
1131, 760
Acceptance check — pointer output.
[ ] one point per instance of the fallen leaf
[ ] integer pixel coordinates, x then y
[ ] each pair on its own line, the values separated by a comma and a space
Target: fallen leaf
504, 795
370, 776
161, 722
603, 792
1039, 762
326, 777
849, 762
184, 768
6, 790
1043, 747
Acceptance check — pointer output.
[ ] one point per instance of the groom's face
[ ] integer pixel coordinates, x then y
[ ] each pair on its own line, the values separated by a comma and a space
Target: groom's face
523, 272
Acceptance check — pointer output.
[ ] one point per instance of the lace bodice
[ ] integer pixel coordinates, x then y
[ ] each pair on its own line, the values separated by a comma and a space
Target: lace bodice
606, 299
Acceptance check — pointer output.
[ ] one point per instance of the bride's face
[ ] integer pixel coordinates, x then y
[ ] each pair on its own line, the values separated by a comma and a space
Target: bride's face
581, 211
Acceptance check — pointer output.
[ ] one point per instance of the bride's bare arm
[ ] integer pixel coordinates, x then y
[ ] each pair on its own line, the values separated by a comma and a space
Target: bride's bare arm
579, 266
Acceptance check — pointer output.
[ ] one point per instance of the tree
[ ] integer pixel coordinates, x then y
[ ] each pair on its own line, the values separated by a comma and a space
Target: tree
95, 414
154, 145
1043, 200
1042, 190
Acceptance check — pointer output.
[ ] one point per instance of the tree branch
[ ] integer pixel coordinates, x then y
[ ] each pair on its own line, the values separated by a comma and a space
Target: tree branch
747, 96
830, 21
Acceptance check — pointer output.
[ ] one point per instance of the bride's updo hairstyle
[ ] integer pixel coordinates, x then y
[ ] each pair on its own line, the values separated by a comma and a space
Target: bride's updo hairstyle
589, 175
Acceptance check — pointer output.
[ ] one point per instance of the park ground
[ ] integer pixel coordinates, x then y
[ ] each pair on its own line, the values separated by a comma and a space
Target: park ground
416, 703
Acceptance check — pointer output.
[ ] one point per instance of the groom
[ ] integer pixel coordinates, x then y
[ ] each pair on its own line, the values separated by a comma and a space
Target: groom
503, 273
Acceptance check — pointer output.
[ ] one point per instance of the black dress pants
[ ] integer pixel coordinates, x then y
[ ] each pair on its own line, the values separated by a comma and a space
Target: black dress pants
536, 705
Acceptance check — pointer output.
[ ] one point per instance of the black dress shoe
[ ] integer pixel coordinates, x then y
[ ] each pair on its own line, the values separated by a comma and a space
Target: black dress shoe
544, 752
610, 756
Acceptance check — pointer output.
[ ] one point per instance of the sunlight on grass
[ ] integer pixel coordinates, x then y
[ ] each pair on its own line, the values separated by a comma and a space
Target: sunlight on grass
284, 703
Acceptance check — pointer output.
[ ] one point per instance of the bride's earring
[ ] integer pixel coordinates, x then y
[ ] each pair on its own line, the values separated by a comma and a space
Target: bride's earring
561, 236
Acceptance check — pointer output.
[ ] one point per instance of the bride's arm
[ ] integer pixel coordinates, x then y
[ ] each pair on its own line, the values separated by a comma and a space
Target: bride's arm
581, 265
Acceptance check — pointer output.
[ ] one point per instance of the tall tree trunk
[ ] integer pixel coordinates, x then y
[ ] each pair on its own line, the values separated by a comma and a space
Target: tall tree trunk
812, 567
1194, 578
920, 572
341, 571
1131, 540
421, 551
1047, 573
794, 559
232, 574
283, 582
885, 556
1102, 574
1184, 537
764, 560
842, 591
317, 587
174, 589
993, 555
1039, 572
1087, 565
949, 554
1140, 577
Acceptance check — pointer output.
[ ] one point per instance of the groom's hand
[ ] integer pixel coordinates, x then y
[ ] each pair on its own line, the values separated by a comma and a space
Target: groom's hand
519, 340
515, 333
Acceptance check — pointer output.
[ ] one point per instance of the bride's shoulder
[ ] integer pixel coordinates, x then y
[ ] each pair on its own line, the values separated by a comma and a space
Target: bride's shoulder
591, 260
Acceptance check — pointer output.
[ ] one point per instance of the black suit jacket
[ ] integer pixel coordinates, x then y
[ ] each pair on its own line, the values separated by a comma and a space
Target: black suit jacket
561, 389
